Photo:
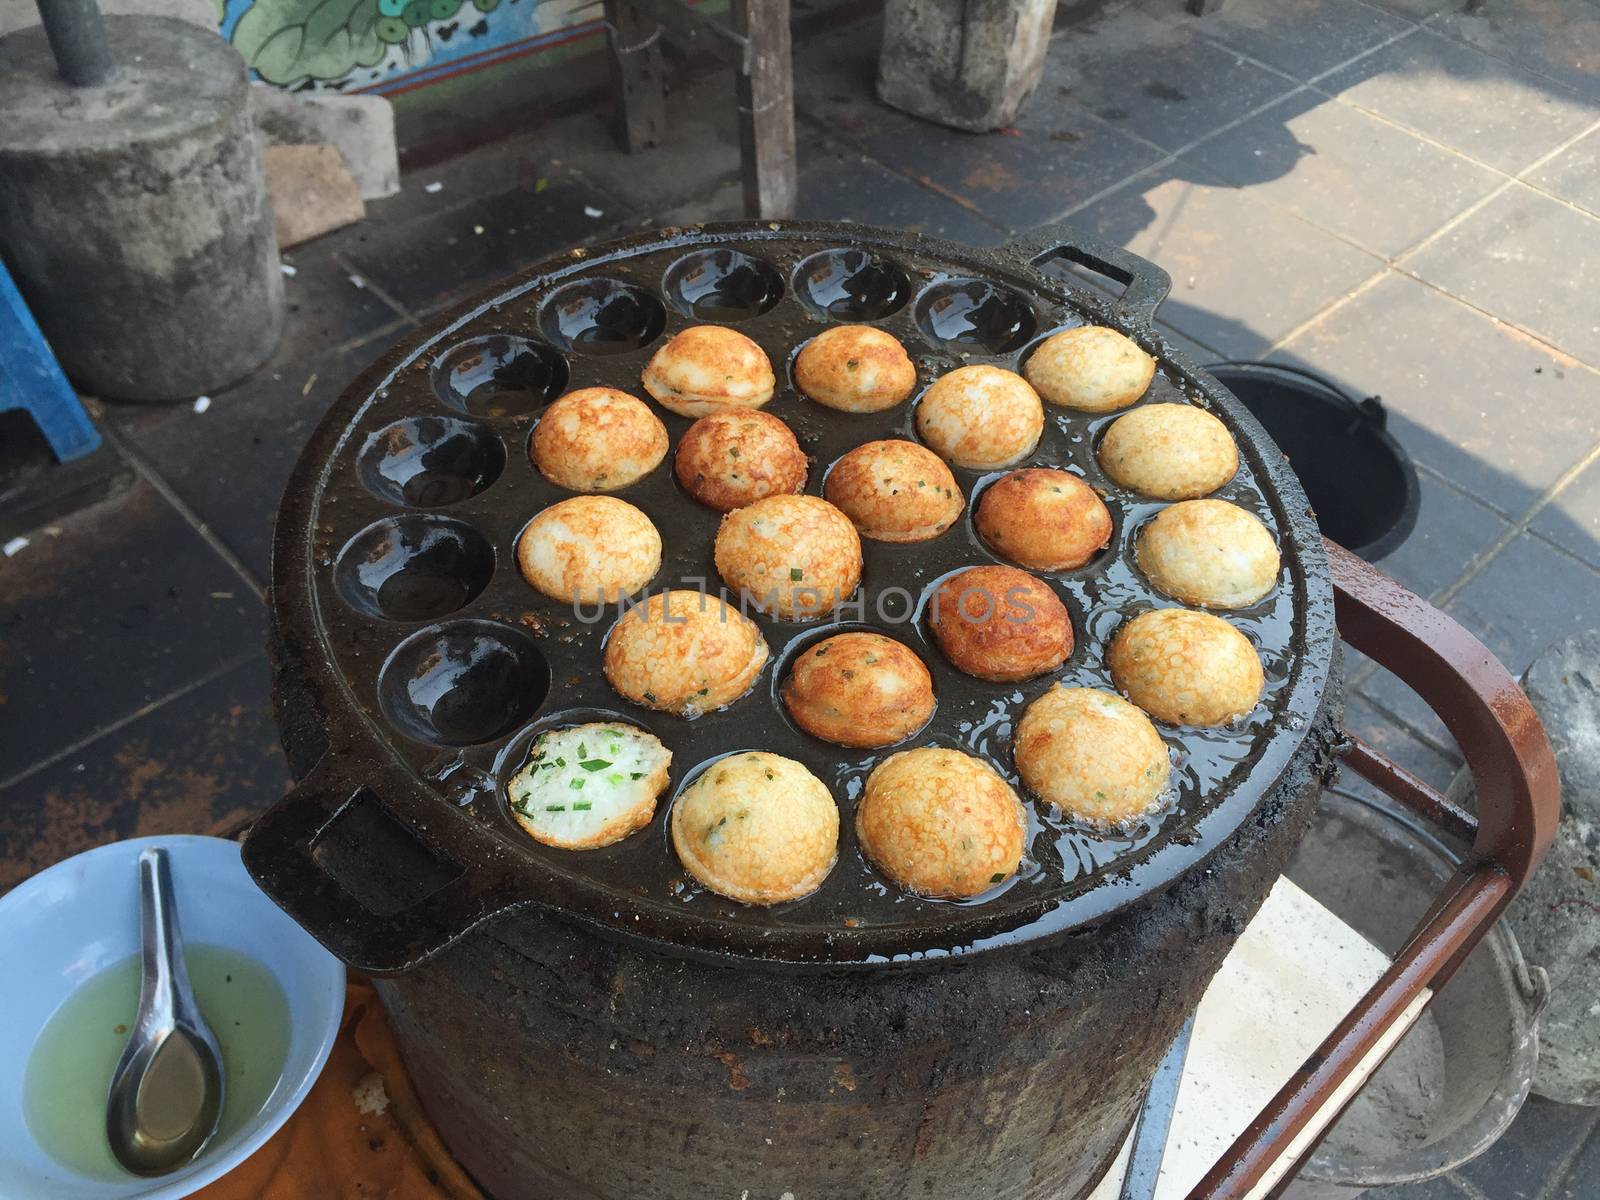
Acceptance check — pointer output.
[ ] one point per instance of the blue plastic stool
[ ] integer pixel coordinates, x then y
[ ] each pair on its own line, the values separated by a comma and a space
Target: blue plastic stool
31, 379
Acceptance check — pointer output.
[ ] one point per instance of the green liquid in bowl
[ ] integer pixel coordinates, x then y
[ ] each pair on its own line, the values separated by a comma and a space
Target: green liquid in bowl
69, 1074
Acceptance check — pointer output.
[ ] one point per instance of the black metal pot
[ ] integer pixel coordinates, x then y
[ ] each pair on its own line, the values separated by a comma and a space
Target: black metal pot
584, 1026
1361, 482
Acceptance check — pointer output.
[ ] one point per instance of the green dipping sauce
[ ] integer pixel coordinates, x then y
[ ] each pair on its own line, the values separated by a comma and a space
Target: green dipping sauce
69, 1073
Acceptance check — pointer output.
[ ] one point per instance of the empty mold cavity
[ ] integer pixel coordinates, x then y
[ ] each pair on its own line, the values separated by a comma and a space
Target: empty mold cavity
852, 285
463, 682
500, 375
722, 285
602, 316
414, 567
431, 461
976, 316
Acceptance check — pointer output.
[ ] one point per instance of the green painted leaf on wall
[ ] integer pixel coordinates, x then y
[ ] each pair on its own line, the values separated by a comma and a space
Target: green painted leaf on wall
289, 40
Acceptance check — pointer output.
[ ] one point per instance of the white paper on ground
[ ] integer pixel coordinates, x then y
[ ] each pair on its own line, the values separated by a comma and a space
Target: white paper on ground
1288, 981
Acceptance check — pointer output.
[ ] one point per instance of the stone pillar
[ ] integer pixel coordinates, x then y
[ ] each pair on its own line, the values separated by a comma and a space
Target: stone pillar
971, 64
134, 214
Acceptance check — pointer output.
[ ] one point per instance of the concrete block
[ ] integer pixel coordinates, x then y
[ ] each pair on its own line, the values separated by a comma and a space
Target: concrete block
971, 64
312, 192
1556, 919
134, 215
23, 14
361, 128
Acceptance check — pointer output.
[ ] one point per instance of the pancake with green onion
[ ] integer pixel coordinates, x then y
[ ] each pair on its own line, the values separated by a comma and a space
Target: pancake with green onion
588, 786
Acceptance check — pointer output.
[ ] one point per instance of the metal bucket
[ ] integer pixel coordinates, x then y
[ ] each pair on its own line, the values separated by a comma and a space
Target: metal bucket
1361, 482
1457, 1080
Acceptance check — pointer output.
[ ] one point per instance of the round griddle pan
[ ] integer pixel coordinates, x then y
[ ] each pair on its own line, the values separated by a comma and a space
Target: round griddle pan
400, 610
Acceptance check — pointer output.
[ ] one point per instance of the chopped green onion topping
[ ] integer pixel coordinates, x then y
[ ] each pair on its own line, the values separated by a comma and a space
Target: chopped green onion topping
575, 784
596, 764
796, 574
582, 805
555, 808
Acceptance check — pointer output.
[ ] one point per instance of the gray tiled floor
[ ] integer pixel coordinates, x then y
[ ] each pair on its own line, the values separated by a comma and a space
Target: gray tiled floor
1480, 106
1301, 38
1412, 210
1528, 259
1572, 519
1347, 172
1453, 529
1245, 273
1573, 174
1158, 80
1496, 412
1523, 594
1557, 41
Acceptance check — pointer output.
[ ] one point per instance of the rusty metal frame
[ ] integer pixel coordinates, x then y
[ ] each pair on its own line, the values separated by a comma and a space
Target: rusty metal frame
1519, 805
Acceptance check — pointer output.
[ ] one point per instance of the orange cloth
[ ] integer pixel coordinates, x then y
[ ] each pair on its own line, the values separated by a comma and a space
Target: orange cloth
331, 1149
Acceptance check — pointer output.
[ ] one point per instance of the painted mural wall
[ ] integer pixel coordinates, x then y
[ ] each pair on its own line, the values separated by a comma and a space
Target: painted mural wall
386, 45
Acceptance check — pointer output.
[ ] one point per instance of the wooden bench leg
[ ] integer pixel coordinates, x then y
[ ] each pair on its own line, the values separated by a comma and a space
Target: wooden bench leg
766, 109
633, 45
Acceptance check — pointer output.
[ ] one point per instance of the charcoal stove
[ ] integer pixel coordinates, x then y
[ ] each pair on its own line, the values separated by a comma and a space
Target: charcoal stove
589, 1026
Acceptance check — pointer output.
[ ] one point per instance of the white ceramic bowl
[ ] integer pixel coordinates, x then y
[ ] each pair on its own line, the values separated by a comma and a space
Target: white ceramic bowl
69, 922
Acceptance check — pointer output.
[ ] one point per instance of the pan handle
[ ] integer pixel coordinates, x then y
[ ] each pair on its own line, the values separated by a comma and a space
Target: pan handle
1145, 285
300, 852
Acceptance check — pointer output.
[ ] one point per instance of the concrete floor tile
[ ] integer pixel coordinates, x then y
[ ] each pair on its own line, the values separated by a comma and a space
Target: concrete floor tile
325, 309
1527, 597
107, 611
200, 763
1520, 1165
428, 261
1397, 703
1054, 157
1452, 530
1529, 259
1415, 10
1302, 38
253, 433
1572, 519
1157, 80
839, 184
1348, 172
1484, 107
1579, 1183
1391, 740
1574, 174
1556, 38
1490, 409
1244, 274
700, 149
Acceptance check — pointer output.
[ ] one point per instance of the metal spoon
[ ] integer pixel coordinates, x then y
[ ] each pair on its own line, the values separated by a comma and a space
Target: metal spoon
166, 1095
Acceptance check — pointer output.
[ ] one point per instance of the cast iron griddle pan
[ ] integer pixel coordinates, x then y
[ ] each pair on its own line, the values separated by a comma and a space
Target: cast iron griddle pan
400, 607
